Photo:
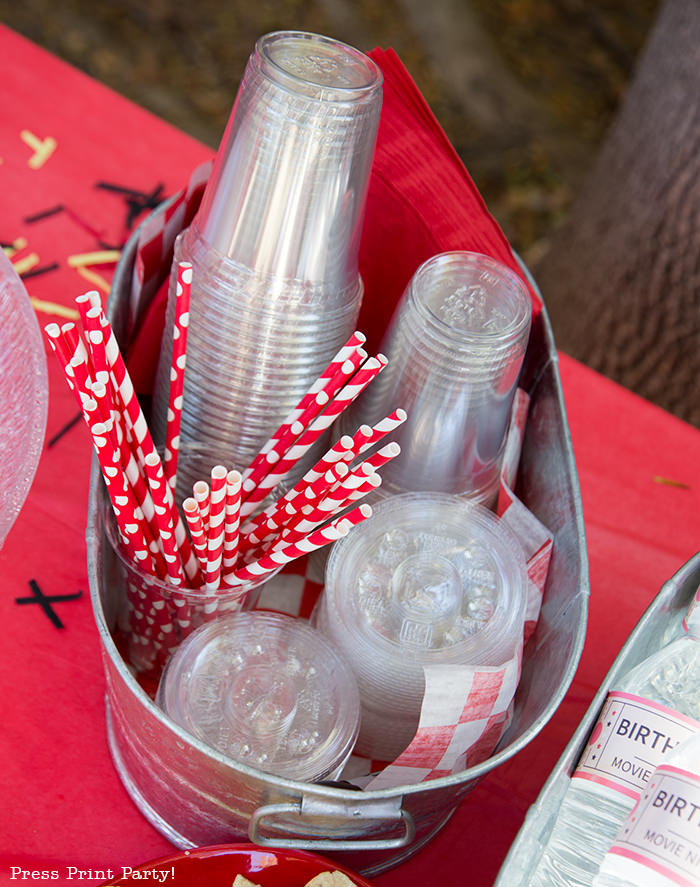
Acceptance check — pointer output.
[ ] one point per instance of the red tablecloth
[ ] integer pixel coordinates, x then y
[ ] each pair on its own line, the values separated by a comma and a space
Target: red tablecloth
62, 802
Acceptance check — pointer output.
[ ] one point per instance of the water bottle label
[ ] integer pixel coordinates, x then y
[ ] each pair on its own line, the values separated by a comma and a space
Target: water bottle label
629, 741
662, 832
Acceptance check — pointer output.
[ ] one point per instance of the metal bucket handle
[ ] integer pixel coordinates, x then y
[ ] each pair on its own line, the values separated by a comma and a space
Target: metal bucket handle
388, 811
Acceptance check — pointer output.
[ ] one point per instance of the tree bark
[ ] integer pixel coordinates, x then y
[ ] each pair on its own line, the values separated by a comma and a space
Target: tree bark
622, 279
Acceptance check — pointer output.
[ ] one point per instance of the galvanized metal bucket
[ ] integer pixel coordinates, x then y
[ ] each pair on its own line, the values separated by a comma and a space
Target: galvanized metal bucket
196, 796
648, 636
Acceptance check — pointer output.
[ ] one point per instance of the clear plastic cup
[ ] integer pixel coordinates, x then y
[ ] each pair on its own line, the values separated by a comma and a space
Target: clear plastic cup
267, 690
24, 393
430, 579
455, 346
276, 288
287, 192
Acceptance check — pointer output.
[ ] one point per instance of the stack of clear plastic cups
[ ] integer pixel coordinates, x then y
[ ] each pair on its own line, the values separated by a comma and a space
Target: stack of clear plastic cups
24, 394
455, 346
431, 579
267, 690
274, 246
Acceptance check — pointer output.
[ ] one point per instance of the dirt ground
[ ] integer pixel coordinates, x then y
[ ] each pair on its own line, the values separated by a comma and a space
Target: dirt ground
525, 89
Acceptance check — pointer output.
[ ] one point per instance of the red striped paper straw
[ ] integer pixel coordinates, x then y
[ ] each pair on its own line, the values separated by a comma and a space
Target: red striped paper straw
319, 394
317, 512
156, 483
215, 532
381, 457
232, 519
177, 371
372, 483
176, 575
369, 370
363, 479
200, 491
296, 495
366, 437
198, 533
356, 385
313, 491
271, 562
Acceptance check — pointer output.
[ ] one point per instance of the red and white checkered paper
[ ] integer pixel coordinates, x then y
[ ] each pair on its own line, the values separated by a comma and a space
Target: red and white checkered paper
465, 709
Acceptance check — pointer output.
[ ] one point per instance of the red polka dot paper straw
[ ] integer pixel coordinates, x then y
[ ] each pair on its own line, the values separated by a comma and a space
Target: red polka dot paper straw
80, 365
137, 426
105, 350
317, 397
215, 533
90, 307
232, 520
287, 552
124, 506
177, 371
107, 455
142, 506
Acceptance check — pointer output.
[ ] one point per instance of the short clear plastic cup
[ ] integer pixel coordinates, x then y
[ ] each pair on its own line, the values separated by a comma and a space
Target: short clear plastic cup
455, 346
267, 690
430, 579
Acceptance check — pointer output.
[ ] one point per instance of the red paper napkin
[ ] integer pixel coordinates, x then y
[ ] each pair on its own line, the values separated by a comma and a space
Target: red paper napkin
421, 201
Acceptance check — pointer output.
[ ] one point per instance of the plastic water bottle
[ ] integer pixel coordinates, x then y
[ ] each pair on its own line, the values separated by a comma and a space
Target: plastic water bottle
658, 844
655, 707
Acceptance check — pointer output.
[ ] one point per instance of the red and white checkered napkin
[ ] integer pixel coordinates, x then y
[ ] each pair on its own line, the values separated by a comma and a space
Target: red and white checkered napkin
465, 709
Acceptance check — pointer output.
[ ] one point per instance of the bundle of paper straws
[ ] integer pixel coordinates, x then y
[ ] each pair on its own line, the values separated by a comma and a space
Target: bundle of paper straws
229, 544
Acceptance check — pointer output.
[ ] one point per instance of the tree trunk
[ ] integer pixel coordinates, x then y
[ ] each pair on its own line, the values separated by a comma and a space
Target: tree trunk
622, 280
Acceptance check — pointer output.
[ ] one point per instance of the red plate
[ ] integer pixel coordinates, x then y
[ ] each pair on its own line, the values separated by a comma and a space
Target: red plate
218, 866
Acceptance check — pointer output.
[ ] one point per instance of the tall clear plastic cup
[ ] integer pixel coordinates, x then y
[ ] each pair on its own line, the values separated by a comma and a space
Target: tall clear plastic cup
274, 246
